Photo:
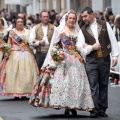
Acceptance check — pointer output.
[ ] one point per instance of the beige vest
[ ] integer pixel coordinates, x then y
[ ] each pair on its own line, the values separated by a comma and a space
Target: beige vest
40, 34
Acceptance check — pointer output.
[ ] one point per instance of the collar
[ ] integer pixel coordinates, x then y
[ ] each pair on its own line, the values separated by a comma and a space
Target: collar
44, 25
94, 23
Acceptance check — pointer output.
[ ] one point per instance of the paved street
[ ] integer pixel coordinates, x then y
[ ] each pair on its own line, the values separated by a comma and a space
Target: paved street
11, 109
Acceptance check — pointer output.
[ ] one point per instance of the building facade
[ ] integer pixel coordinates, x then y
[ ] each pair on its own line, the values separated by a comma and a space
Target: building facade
100, 5
2, 4
36, 6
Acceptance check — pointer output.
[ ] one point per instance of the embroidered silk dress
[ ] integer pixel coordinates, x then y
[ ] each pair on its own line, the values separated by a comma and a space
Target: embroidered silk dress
18, 75
67, 85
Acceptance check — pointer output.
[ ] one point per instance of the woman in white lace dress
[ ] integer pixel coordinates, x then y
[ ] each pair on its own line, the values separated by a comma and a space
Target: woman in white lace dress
64, 84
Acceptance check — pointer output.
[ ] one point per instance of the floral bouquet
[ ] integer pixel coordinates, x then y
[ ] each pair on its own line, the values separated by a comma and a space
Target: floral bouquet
5, 47
57, 54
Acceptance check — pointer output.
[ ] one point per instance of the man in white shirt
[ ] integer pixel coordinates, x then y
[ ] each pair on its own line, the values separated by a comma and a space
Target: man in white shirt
99, 40
40, 37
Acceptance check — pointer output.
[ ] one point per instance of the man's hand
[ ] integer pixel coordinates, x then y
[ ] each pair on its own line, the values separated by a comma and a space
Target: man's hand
96, 46
42, 42
114, 62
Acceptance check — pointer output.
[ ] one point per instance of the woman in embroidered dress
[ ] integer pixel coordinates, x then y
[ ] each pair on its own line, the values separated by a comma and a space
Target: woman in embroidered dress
64, 83
3, 37
19, 70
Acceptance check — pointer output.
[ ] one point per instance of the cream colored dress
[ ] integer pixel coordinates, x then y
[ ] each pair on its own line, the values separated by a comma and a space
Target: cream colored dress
21, 70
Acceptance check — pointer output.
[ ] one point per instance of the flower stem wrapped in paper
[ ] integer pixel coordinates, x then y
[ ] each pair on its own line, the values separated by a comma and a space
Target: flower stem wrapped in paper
57, 54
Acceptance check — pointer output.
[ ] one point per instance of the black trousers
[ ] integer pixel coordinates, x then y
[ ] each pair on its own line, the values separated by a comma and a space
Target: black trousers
98, 70
40, 57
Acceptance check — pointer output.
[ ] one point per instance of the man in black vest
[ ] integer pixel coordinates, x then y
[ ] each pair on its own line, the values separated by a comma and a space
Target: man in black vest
99, 40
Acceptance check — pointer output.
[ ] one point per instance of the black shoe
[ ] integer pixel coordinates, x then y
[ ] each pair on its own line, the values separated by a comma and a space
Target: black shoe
102, 114
74, 112
24, 98
16, 98
67, 112
94, 115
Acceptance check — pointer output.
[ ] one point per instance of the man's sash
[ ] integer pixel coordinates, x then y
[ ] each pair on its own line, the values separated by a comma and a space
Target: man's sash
20, 41
70, 48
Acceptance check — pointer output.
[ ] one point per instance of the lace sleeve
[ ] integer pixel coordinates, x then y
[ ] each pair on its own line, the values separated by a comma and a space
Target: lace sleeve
54, 41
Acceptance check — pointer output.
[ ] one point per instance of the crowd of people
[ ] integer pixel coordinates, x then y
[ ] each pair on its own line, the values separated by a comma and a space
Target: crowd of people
60, 60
